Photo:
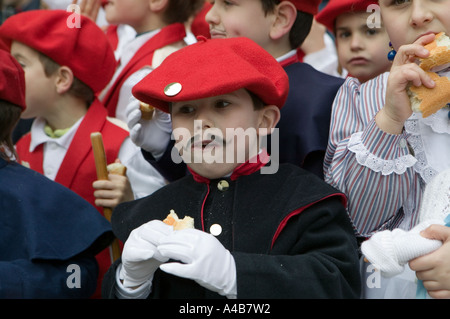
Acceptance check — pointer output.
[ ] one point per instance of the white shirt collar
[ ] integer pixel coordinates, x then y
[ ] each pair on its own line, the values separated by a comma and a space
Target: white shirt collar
39, 137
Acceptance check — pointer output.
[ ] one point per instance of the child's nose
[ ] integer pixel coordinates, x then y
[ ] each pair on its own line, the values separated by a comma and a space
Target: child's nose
420, 14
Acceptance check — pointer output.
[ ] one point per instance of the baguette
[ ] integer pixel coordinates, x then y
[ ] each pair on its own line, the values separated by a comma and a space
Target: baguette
439, 53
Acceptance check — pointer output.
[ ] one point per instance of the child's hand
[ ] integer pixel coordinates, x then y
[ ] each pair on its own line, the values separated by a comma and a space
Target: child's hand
202, 258
151, 135
404, 70
140, 258
112, 192
434, 269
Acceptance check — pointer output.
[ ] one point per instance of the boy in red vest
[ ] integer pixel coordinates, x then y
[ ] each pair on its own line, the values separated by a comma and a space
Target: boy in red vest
67, 60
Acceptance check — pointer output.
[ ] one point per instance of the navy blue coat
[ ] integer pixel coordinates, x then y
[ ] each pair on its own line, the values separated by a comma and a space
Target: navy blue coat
49, 237
305, 117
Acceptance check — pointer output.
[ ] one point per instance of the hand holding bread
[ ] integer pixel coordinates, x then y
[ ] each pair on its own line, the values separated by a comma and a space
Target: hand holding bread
429, 100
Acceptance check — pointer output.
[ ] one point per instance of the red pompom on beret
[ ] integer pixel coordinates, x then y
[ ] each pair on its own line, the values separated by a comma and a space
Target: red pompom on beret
308, 6
327, 16
12, 80
211, 68
83, 46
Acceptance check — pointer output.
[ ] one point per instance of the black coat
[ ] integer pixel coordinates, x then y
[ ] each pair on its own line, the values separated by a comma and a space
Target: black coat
289, 234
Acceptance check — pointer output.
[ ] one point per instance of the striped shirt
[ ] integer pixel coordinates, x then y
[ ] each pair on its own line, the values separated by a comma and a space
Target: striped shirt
379, 172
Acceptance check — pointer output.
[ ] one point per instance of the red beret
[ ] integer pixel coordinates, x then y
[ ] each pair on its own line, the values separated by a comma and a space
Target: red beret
211, 68
12, 80
327, 16
308, 6
84, 48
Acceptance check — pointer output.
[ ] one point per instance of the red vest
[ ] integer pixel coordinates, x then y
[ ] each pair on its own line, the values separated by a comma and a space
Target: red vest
143, 57
77, 170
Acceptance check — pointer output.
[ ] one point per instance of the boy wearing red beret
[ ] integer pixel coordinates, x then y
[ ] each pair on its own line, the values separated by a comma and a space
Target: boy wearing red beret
49, 235
362, 48
257, 234
65, 67
280, 27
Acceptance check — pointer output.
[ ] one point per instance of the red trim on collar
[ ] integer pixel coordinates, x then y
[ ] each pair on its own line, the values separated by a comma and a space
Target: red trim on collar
247, 168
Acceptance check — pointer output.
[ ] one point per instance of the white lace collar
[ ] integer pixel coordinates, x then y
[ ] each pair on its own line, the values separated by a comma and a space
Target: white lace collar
430, 140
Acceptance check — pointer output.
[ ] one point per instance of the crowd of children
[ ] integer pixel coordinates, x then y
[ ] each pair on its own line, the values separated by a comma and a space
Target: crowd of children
291, 168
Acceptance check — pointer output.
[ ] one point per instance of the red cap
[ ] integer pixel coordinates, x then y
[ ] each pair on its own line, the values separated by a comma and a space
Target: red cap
308, 6
211, 68
12, 80
84, 48
327, 16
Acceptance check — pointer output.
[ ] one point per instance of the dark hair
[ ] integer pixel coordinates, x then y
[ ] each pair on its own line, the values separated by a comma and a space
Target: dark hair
9, 116
301, 27
181, 10
78, 88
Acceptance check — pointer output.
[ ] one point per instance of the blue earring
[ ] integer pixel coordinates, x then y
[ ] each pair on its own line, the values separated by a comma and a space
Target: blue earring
392, 53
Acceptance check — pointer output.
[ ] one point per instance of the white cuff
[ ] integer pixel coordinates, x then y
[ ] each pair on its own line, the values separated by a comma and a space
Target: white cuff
123, 292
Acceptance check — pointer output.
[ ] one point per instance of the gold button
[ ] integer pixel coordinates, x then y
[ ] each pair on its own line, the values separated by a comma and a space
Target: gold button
223, 185
172, 89
215, 229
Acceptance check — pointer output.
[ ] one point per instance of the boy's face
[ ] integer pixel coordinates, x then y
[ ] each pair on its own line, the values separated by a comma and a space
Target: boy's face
39, 89
240, 18
362, 51
408, 20
215, 135
131, 12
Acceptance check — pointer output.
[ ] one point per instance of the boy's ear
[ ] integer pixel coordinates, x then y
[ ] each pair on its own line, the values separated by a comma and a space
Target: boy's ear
270, 115
157, 5
64, 79
286, 13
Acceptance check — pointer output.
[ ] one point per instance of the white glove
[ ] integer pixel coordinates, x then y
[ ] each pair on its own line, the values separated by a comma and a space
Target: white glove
389, 251
140, 258
203, 259
151, 135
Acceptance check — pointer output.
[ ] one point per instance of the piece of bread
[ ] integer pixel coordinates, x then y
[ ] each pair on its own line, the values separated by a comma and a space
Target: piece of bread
146, 110
117, 168
178, 224
429, 101
439, 53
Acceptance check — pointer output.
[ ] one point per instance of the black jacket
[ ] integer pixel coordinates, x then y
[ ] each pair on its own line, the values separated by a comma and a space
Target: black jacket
289, 234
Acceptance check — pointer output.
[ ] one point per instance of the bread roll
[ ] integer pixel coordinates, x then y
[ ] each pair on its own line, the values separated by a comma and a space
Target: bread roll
178, 224
117, 168
146, 110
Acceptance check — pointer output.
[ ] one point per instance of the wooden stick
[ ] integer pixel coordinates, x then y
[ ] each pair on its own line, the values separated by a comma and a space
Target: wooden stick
102, 174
